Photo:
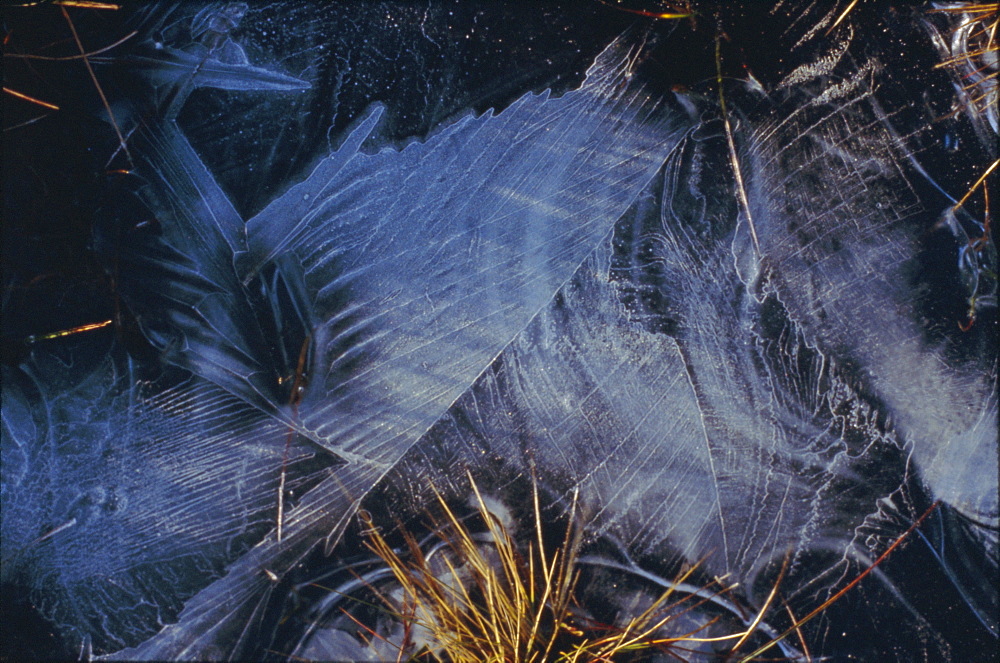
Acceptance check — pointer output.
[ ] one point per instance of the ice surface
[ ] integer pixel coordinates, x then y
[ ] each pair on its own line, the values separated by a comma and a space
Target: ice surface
572, 289
122, 499
420, 265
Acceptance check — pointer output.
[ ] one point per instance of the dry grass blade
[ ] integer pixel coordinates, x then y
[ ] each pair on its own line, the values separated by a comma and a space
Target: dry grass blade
767, 604
972, 54
840, 19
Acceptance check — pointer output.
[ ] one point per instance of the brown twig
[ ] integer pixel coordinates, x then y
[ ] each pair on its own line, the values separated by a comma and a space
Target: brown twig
30, 56
100, 91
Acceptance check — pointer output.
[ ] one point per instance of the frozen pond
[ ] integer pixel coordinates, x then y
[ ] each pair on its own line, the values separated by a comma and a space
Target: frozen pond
724, 307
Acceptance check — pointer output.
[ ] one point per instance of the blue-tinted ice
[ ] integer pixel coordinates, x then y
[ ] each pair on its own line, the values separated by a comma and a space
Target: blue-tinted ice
573, 281
398, 276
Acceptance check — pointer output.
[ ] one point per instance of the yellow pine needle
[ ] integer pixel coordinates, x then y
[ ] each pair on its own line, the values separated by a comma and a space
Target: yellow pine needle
68, 332
666, 15
80, 56
975, 186
843, 15
764, 608
84, 4
798, 632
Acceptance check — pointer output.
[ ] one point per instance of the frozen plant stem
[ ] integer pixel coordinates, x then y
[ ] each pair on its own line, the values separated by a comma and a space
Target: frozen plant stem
298, 385
733, 158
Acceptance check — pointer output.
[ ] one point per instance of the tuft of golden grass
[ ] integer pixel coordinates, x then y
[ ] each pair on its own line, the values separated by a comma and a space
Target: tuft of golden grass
482, 598
483, 601
974, 52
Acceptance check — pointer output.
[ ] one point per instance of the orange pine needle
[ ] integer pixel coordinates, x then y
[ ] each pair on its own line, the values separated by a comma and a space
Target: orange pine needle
86, 4
843, 15
647, 13
21, 95
69, 332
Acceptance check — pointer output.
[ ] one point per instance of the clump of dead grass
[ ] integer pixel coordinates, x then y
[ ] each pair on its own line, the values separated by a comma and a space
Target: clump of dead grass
486, 597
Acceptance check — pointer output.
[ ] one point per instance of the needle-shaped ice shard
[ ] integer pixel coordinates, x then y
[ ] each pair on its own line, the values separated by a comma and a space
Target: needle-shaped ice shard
170, 65
421, 264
